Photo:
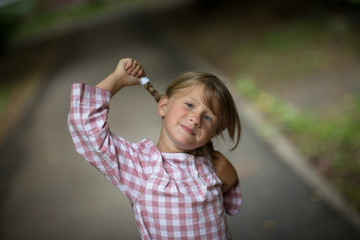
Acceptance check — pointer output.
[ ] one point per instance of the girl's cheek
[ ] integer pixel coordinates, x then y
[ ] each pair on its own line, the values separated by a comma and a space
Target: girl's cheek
212, 130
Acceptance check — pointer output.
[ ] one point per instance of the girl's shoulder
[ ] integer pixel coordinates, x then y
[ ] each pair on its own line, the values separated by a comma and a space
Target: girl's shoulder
148, 153
147, 147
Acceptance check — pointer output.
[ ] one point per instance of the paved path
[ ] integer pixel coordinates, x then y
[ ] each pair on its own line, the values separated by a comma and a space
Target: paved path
54, 194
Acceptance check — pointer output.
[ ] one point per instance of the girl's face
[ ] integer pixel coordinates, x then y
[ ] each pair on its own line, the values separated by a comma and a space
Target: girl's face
187, 122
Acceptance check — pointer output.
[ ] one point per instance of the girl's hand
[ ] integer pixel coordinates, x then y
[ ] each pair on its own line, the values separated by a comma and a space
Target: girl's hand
224, 170
134, 68
127, 73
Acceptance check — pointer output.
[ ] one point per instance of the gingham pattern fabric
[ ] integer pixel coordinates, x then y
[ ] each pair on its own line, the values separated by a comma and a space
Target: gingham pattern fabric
173, 195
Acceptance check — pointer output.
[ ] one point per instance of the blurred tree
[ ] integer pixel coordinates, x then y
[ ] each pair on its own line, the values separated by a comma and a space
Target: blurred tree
351, 10
11, 14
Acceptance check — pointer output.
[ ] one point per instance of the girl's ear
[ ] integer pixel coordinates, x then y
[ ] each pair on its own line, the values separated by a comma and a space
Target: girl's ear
162, 105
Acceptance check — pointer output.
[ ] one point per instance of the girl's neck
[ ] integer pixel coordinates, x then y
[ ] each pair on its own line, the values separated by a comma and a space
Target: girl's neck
166, 146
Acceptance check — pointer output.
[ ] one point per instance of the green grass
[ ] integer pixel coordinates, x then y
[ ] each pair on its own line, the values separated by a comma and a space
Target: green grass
5, 93
331, 141
294, 49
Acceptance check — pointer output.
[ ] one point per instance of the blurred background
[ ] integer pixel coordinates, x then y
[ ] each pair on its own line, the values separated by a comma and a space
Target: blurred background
297, 62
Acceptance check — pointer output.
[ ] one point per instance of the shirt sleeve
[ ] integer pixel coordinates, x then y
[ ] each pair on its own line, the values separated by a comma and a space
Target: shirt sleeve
114, 157
233, 200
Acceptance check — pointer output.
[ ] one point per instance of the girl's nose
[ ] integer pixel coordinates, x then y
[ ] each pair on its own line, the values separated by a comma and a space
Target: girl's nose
195, 119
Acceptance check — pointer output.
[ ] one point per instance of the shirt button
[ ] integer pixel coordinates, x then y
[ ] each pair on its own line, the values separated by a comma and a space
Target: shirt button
191, 157
204, 188
196, 172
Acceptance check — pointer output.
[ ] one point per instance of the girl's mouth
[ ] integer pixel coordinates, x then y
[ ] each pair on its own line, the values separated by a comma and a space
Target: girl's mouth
188, 130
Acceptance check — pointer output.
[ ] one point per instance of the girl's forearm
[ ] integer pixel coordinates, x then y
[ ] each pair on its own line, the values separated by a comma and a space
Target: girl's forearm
111, 84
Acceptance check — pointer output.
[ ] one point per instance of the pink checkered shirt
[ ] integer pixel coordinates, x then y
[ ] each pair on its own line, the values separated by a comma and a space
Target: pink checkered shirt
173, 195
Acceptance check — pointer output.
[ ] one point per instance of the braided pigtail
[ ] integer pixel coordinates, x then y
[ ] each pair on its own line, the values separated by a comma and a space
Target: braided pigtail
149, 87
153, 92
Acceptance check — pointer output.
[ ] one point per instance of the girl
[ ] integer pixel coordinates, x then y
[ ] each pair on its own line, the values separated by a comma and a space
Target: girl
172, 187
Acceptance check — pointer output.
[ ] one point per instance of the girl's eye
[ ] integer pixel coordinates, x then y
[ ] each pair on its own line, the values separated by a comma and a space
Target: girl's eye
189, 105
207, 118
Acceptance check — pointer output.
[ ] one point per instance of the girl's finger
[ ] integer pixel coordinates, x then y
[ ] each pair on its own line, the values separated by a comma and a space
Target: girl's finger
128, 63
132, 67
141, 73
136, 70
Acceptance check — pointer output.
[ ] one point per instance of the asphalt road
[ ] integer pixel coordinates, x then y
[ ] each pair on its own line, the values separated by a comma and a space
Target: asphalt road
52, 193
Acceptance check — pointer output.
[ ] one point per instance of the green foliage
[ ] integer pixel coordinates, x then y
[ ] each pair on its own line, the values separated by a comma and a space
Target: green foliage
10, 17
39, 19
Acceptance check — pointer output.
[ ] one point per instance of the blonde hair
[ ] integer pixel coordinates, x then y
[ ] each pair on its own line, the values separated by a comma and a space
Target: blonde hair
213, 87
